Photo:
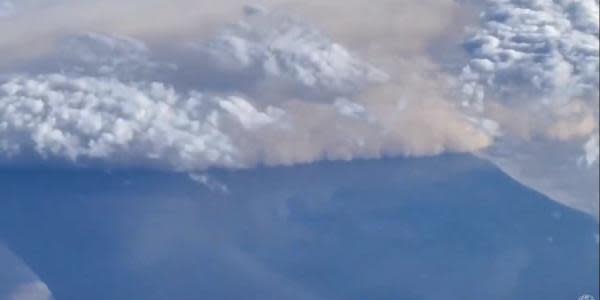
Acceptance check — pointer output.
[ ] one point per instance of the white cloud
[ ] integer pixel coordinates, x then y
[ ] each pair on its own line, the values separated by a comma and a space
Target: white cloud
86, 117
220, 85
539, 56
534, 70
107, 120
209, 182
591, 150
350, 109
31, 291
107, 107
356, 23
272, 46
248, 116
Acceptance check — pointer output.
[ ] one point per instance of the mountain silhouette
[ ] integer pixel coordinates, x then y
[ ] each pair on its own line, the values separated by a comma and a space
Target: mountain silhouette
451, 227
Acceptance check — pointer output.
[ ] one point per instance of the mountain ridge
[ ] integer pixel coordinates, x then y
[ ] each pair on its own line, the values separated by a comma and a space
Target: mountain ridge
336, 230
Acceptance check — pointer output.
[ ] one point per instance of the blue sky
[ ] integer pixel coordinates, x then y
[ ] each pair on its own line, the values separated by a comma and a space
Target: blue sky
222, 100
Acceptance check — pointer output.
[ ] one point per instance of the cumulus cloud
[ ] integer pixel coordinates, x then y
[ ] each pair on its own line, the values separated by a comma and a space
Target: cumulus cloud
83, 118
162, 21
277, 50
540, 57
534, 70
190, 85
107, 106
540, 48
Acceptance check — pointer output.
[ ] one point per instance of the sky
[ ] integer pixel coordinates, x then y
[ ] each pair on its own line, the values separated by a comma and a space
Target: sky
188, 86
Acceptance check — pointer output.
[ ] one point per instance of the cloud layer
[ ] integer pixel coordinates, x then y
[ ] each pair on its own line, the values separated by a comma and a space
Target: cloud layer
534, 70
540, 57
286, 82
288, 95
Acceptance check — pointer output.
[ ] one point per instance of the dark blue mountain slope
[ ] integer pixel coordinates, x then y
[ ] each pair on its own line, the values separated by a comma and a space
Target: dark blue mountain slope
450, 227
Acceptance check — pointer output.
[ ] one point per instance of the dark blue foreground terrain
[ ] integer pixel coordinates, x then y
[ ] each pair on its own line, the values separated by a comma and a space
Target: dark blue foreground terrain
451, 227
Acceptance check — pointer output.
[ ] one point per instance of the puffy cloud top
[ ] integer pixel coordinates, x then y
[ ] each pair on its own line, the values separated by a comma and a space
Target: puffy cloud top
292, 50
536, 47
103, 119
534, 70
91, 117
206, 89
292, 96
537, 57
